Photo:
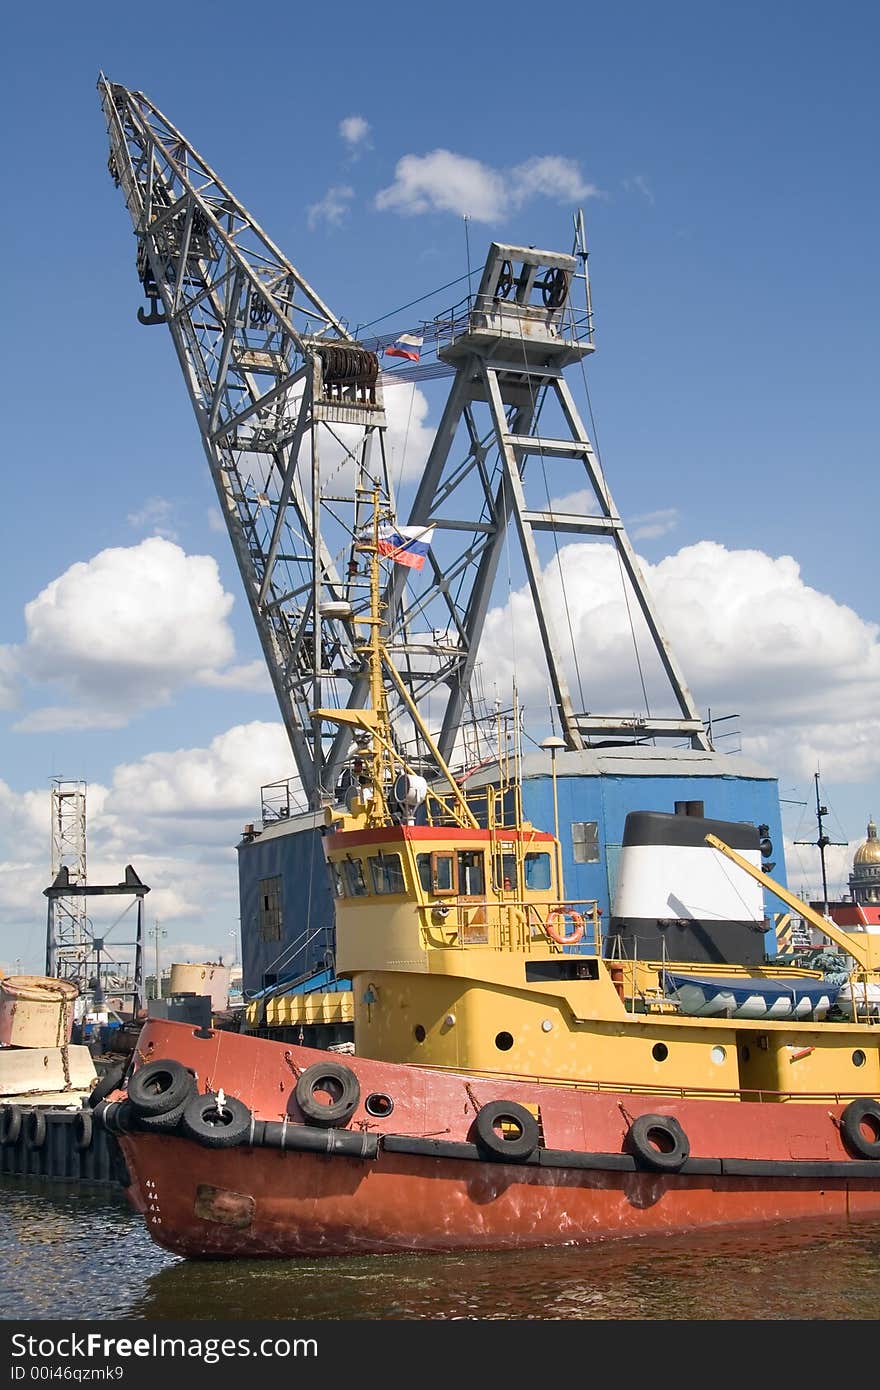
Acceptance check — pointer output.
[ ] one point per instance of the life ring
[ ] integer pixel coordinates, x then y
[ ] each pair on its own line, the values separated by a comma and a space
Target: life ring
492, 1127
35, 1130
859, 1115
83, 1122
341, 1087
109, 1082
216, 1125
565, 914
658, 1142
10, 1125
160, 1087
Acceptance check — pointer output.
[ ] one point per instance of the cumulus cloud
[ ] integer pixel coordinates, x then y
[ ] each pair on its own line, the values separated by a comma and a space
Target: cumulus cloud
120, 632
355, 131
332, 209
801, 669
443, 181
175, 816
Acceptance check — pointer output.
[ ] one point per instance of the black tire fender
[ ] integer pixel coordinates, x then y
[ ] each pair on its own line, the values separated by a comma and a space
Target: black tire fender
161, 1124
159, 1087
658, 1142
217, 1126
35, 1130
107, 1084
335, 1081
492, 1126
861, 1114
10, 1124
83, 1126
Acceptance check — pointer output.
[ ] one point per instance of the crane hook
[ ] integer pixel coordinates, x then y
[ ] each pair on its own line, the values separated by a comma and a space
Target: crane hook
154, 316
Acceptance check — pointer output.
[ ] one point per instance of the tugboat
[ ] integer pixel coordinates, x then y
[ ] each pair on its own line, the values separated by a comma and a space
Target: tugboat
519, 1077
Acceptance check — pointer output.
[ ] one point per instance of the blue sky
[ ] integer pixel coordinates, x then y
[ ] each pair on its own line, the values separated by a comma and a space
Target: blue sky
725, 157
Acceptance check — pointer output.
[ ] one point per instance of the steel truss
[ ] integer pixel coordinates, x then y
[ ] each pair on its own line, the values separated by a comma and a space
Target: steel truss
290, 412
510, 348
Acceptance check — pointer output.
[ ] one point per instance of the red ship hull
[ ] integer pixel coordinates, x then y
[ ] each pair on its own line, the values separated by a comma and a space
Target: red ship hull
425, 1186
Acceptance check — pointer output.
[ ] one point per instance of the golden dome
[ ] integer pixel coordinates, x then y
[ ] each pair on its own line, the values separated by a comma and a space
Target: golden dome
869, 852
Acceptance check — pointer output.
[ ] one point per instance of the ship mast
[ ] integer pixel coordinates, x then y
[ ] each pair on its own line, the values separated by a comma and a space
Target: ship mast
821, 842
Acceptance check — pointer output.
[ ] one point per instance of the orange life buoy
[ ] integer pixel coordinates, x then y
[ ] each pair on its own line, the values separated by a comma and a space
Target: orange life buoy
578, 925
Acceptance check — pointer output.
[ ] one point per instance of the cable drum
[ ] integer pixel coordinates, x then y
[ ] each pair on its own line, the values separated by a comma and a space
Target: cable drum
348, 366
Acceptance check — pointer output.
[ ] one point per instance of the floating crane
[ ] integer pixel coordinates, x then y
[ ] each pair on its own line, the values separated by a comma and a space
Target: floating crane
291, 414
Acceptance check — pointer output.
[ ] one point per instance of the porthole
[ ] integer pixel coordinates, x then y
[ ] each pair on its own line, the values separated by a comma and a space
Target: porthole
378, 1105
659, 1052
718, 1055
419, 1033
859, 1058
504, 1041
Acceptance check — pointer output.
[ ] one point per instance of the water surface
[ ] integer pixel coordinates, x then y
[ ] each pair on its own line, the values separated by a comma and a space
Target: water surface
71, 1254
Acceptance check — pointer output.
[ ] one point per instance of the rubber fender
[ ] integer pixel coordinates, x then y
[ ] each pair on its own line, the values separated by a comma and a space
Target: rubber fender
658, 1142
859, 1115
10, 1124
492, 1131
327, 1094
214, 1125
160, 1086
83, 1126
108, 1083
35, 1130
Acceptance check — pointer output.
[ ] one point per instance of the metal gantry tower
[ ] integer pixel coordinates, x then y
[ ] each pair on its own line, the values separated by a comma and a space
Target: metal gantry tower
290, 411
100, 965
68, 941
525, 450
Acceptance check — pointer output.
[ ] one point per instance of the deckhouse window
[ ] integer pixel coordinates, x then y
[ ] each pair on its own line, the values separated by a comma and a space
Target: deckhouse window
471, 873
585, 841
353, 878
270, 909
336, 879
537, 871
437, 872
386, 871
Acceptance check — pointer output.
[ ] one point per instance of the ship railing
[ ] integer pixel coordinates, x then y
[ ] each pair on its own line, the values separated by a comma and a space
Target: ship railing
512, 923
752, 1094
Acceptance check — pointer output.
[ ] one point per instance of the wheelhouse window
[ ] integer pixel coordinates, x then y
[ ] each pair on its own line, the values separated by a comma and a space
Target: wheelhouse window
270, 909
386, 872
437, 872
336, 879
471, 873
537, 871
504, 873
353, 878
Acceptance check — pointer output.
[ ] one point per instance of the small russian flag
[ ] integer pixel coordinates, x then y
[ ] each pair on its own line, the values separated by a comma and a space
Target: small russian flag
407, 345
406, 545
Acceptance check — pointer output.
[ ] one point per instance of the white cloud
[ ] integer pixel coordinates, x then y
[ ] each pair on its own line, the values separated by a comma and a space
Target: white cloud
120, 632
801, 670
175, 816
650, 525
154, 516
354, 130
446, 182
332, 209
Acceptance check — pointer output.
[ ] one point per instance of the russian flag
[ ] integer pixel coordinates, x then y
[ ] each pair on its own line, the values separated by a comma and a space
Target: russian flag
406, 545
407, 345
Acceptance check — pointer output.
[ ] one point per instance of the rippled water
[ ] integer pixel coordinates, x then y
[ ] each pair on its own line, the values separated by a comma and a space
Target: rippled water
71, 1254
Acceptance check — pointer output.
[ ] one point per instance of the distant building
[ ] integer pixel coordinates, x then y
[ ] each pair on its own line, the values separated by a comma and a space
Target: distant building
864, 881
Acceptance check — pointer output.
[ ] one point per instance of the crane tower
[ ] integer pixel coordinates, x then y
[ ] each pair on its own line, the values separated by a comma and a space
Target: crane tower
291, 414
